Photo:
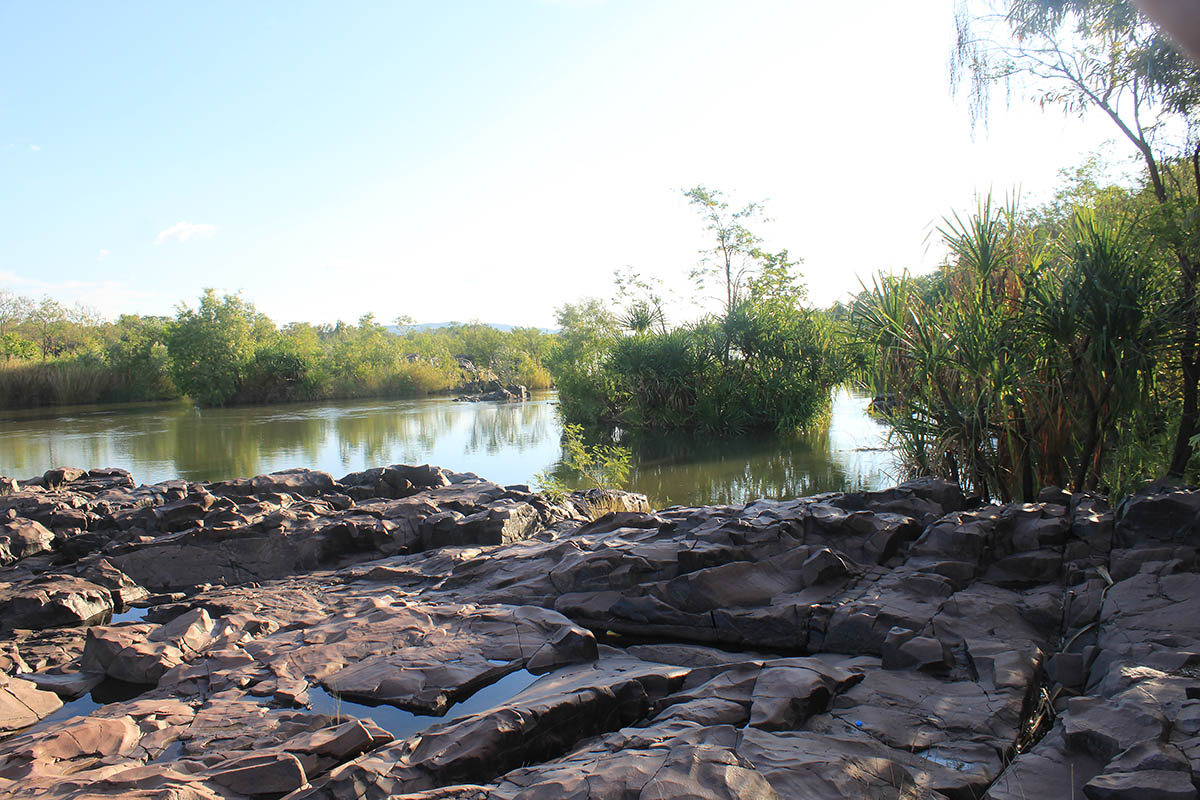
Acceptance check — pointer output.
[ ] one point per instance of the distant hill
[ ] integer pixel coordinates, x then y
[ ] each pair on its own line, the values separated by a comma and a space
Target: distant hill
429, 326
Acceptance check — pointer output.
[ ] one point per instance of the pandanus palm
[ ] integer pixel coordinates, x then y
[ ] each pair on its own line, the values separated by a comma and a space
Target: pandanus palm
1023, 371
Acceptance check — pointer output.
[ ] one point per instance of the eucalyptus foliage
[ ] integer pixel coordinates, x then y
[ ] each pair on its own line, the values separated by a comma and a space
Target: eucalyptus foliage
600, 466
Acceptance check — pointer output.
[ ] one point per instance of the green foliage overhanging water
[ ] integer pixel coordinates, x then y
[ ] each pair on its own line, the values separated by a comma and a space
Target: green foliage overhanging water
1058, 345
765, 362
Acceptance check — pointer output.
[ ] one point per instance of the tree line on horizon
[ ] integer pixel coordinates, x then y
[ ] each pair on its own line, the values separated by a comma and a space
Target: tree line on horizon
224, 352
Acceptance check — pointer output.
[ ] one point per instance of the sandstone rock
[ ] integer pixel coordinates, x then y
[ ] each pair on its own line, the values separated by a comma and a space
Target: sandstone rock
23, 538
1104, 728
786, 694
273, 773
1159, 784
53, 601
1152, 755
22, 703
824, 566
903, 649
54, 478
1048, 770
888, 644
124, 589
88, 736
305, 482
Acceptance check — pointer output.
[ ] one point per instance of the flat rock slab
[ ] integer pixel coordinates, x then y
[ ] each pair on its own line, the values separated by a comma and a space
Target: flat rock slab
890, 644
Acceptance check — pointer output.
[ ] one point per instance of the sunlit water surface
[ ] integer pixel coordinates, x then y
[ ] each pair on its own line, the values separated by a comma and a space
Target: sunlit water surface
504, 442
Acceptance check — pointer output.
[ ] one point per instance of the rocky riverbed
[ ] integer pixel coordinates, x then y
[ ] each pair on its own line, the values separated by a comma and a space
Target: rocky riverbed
412, 632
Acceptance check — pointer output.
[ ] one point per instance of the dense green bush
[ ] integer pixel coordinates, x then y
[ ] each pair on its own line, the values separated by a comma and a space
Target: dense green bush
767, 362
762, 367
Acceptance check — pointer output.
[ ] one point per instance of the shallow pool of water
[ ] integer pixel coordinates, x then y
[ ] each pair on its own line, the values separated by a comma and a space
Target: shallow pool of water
401, 723
128, 615
110, 690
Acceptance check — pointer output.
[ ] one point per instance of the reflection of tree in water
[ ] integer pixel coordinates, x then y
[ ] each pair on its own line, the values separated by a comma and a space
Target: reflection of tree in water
216, 444
122, 436
177, 441
29, 450
698, 470
694, 471
380, 436
497, 427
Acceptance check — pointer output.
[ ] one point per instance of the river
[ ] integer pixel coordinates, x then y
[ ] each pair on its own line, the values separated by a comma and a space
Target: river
507, 443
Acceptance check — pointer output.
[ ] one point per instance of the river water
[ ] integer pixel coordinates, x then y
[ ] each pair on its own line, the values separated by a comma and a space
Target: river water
507, 443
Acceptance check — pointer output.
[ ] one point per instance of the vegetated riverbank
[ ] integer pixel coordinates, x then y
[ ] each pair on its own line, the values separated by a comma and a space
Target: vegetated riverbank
224, 352
66, 383
486, 644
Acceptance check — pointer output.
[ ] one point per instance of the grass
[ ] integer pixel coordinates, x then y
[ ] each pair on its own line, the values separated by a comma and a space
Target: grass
605, 503
25, 384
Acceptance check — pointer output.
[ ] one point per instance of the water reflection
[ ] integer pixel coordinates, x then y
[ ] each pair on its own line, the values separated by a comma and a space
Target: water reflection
507, 443
849, 455
510, 426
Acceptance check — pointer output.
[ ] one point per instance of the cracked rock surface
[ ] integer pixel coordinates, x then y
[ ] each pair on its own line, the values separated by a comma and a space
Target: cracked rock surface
409, 632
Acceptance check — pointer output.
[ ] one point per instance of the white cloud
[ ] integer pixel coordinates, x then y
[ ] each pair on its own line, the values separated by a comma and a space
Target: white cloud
182, 231
35, 148
103, 254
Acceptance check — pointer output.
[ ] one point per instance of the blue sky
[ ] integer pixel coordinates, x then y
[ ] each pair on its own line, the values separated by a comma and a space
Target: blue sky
477, 160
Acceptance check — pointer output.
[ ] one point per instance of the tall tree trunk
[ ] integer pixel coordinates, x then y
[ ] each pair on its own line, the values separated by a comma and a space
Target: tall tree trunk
1189, 362
1190, 374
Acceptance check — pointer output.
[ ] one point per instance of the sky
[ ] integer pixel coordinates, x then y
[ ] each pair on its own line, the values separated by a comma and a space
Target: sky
480, 160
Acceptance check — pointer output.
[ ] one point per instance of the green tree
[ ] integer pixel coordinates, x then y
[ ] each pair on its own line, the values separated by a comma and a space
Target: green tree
212, 345
138, 353
48, 320
14, 309
765, 362
599, 466
12, 345
643, 300
1031, 365
735, 252
577, 360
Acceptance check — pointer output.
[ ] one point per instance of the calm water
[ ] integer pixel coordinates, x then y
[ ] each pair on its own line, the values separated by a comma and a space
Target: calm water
507, 443
403, 724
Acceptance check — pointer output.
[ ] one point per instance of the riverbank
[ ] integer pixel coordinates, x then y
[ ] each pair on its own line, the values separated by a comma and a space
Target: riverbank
62, 385
413, 632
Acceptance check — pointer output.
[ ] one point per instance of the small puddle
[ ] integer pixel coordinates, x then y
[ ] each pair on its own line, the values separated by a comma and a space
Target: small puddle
110, 690
403, 724
130, 615
952, 763
494, 694
174, 752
